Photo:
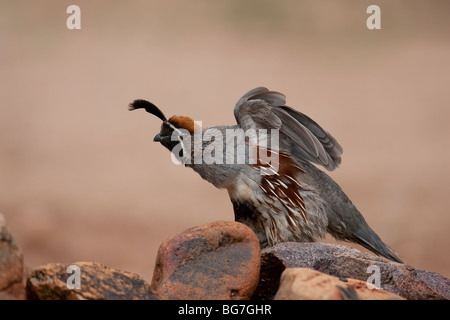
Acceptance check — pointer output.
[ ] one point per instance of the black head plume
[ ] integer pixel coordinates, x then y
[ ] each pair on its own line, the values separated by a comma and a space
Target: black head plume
148, 106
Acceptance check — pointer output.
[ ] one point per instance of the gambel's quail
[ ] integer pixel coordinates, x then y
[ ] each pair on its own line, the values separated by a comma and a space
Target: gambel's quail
275, 187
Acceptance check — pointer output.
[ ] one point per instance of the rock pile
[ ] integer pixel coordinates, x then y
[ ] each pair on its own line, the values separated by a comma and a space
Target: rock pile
343, 262
97, 282
307, 284
12, 269
222, 260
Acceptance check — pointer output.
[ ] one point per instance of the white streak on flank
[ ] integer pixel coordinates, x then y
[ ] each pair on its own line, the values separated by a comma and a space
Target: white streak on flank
301, 203
273, 192
273, 171
290, 218
298, 196
302, 212
292, 202
292, 179
284, 186
284, 194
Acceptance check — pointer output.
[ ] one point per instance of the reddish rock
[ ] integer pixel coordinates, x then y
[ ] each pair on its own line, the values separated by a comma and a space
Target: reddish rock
308, 284
97, 282
12, 270
6, 296
220, 260
342, 261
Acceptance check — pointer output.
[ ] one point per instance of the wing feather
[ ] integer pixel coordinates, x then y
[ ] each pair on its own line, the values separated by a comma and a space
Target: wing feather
301, 136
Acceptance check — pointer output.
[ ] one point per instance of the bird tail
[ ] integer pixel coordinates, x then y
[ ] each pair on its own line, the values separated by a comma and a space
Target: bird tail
345, 222
367, 238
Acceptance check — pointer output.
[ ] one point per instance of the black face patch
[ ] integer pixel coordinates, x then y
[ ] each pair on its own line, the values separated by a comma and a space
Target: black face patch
167, 137
166, 130
170, 138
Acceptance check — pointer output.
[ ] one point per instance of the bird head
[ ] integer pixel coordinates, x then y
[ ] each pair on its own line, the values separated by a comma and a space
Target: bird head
173, 130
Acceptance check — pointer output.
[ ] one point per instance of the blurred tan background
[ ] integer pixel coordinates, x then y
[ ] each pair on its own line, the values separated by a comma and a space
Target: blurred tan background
81, 179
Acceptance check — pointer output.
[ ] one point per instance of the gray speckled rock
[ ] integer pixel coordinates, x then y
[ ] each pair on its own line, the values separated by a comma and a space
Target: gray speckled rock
344, 262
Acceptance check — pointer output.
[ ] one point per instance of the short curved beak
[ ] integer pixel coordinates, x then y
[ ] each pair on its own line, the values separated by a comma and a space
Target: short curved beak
157, 138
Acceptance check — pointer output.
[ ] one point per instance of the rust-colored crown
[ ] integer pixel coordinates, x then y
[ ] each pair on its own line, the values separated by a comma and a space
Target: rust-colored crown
183, 122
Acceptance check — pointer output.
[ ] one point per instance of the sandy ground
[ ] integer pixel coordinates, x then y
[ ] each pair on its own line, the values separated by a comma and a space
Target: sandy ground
81, 179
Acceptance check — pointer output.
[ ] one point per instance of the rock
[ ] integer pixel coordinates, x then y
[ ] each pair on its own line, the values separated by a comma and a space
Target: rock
6, 296
219, 260
12, 269
341, 261
97, 282
308, 284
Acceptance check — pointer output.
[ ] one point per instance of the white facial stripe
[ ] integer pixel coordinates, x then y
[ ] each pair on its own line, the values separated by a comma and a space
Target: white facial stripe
173, 127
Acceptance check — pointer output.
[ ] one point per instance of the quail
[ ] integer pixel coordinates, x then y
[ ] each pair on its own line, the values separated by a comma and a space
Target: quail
280, 193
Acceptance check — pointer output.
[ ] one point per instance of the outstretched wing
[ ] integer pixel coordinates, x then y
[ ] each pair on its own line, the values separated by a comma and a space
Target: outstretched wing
301, 136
